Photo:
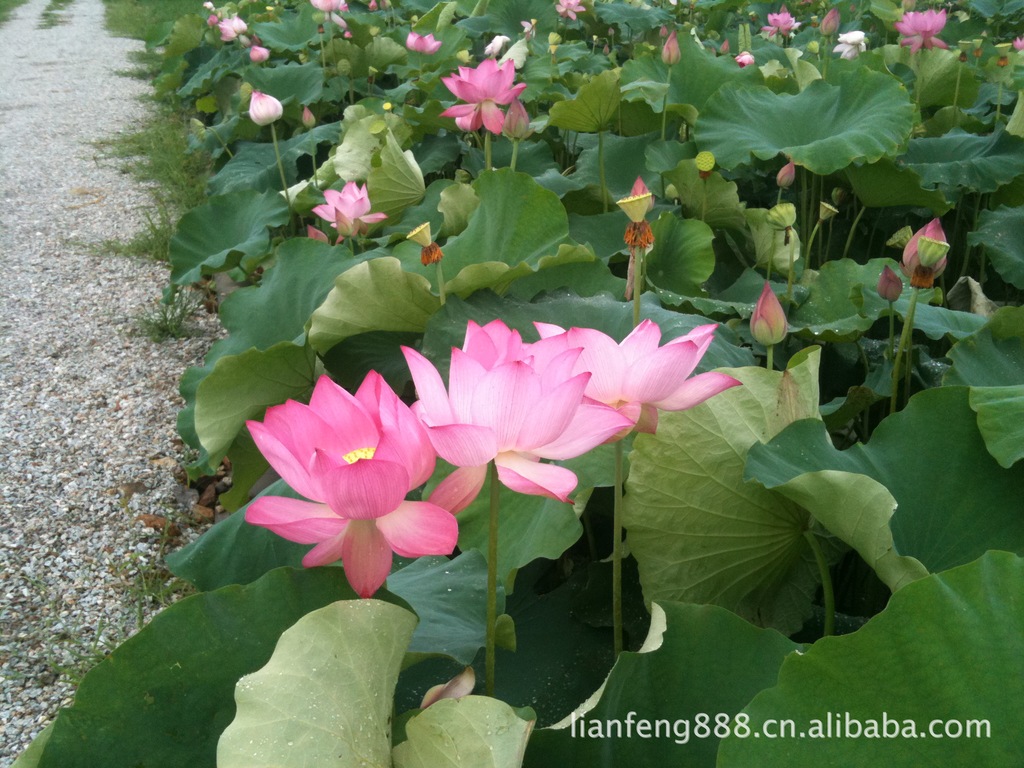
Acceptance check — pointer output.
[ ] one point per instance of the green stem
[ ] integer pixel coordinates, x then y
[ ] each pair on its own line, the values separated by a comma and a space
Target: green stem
810, 243
280, 168
956, 96
999, 104
789, 279
492, 579
908, 329
826, 582
664, 104
638, 283
617, 553
853, 229
770, 362
892, 331
515, 155
440, 283
600, 170
487, 149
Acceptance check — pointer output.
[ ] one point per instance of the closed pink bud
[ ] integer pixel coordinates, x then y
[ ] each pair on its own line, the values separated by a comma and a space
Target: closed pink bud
212, 20
670, 51
264, 108
308, 120
258, 54
786, 175
768, 324
724, 49
889, 284
830, 24
744, 59
517, 121
460, 685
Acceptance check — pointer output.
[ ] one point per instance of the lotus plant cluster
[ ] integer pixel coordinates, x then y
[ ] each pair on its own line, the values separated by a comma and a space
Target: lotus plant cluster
516, 405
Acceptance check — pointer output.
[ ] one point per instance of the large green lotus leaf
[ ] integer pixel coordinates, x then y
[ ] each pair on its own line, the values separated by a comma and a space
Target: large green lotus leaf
834, 308
472, 732
992, 357
883, 185
1002, 233
683, 257
631, 19
603, 232
696, 76
824, 128
447, 328
593, 108
961, 160
935, 81
254, 165
290, 83
954, 500
584, 278
698, 660
376, 295
185, 35
326, 694
621, 165
713, 200
698, 532
228, 59
163, 697
242, 387
294, 31
505, 17
1001, 421
395, 181
218, 234
947, 646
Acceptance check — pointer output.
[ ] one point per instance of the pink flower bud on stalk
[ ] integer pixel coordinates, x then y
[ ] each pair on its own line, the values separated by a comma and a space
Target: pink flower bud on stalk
422, 43
768, 324
786, 175
460, 685
830, 24
670, 53
258, 54
212, 20
264, 109
890, 287
724, 49
744, 59
517, 122
924, 255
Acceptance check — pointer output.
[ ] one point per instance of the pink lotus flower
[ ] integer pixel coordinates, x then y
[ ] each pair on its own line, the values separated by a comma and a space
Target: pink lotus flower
781, 23
348, 211
768, 324
920, 29
483, 89
355, 458
422, 43
744, 59
258, 54
911, 266
264, 109
512, 403
568, 9
786, 175
231, 28
212, 20
637, 377
327, 6
1018, 43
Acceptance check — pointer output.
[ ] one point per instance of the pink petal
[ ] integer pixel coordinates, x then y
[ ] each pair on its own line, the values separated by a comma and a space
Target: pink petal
364, 490
366, 556
433, 398
605, 361
504, 400
656, 376
552, 415
294, 519
492, 116
534, 478
420, 528
547, 330
465, 376
696, 390
591, 425
326, 552
460, 488
351, 427
464, 445
284, 462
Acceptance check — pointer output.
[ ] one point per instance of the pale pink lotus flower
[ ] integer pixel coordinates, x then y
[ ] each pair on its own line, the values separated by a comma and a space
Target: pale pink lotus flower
258, 54
529, 28
231, 28
639, 378
327, 6
423, 43
768, 324
208, 5
851, 44
460, 685
568, 9
494, 48
511, 403
920, 29
483, 89
670, 53
348, 211
264, 109
1018, 43
781, 23
786, 175
315, 234
830, 24
355, 458
744, 59
910, 262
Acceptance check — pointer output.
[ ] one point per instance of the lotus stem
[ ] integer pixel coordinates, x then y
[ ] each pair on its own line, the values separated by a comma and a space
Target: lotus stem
492, 579
617, 552
280, 169
956, 96
664, 104
908, 329
892, 331
487, 149
440, 283
853, 228
826, 582
638, 283
810, 242
600, 170
769, 363
515, 154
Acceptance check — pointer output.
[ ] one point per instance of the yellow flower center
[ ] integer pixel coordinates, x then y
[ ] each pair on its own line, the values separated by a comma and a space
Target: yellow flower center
359, 453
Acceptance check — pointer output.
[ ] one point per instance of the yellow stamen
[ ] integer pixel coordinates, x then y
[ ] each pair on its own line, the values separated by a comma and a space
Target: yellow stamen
359, 453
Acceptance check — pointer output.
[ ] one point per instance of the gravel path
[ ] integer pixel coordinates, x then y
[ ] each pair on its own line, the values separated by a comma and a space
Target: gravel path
87, 404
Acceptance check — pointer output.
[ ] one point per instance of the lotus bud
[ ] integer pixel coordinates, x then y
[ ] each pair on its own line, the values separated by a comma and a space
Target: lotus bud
786, 175
826, 211
670, 53
889, 284
212, 20
308, 120
724, 49
258, 54
744, 59
813, 47
1018, 43
768, 323
517, 121
264, 109
900, 238
931, 251
459, 686
830, 24
839, 196
463, 56
782, 216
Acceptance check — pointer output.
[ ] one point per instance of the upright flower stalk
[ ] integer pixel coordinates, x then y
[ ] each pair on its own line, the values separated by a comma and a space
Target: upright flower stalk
264, 109
430, 253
